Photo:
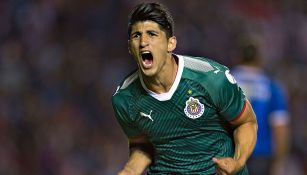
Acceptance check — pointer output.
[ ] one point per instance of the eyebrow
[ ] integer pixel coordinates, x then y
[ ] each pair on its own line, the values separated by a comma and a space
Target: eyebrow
152, 31
136, 32
147, 31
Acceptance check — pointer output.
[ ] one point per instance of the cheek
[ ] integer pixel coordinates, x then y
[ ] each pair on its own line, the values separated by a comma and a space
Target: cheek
162, 46
133, 49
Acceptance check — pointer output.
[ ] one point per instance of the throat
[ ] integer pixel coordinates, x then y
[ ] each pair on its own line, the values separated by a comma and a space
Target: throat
163, 82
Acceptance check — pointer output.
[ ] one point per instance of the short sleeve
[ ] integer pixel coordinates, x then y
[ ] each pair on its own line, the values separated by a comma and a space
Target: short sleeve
121, 110
278, 105
228, 96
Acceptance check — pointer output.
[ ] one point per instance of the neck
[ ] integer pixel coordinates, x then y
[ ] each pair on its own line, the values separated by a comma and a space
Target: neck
163, 82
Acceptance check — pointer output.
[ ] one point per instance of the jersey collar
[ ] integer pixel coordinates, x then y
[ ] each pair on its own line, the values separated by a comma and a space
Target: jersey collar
167, 95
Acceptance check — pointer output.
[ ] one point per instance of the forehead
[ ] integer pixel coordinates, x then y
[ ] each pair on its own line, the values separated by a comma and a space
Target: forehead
145, 25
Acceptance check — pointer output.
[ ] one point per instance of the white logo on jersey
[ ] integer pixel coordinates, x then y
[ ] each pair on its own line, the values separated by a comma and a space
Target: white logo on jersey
116, 90
216, 71
146, 115
230, 78
193, 108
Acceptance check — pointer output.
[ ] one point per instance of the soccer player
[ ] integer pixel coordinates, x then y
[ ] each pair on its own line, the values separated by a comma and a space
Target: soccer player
270, 105
181, 114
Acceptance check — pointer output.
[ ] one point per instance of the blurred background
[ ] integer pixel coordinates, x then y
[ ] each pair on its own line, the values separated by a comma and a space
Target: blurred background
61, 61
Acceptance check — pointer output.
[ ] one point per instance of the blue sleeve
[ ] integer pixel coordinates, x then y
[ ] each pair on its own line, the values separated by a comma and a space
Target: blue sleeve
278, 105
278, 100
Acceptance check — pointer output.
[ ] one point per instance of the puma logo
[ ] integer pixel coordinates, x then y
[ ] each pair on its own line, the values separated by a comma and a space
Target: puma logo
147, 115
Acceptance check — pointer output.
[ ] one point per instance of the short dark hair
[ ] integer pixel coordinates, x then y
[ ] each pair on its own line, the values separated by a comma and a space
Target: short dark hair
249, 53
155, 12
249, 47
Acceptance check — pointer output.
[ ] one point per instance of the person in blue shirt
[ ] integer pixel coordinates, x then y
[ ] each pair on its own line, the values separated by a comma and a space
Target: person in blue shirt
270, 105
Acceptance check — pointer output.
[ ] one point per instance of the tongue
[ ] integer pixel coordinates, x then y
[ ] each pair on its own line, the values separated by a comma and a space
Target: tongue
147, 62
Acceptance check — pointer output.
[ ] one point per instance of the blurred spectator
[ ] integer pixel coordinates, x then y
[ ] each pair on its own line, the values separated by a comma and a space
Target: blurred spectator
270, 105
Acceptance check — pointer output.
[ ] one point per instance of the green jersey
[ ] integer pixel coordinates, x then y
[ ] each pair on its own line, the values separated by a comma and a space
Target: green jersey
189, 125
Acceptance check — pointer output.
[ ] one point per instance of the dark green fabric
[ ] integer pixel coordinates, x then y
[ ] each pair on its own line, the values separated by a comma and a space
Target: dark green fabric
183, 145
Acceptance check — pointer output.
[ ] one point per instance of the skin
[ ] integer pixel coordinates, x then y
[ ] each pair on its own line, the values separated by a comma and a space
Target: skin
281, 138
138, 160
245, 136
148, 36
280, 132
159, 77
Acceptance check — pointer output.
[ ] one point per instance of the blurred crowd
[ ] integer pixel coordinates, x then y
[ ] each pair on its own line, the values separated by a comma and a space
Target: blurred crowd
61, 61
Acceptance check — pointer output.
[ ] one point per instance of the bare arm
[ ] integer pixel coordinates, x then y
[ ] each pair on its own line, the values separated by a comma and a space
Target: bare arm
245, 136
281, 137
139, 158
282, 145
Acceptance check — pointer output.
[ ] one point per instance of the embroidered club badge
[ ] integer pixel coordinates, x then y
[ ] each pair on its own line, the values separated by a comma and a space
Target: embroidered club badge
193, 108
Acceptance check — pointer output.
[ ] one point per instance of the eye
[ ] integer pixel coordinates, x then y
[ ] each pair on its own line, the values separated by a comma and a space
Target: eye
151, 33
135, 35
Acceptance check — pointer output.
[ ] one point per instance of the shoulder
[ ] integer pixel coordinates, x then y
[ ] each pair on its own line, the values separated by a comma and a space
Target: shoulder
126, 89
205, 71
252, 74
201, 64
278, 89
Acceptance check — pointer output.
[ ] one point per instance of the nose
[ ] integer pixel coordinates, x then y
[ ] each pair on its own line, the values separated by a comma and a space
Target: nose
144, 41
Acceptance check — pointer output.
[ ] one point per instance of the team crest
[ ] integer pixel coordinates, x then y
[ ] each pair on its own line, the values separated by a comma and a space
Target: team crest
193, 108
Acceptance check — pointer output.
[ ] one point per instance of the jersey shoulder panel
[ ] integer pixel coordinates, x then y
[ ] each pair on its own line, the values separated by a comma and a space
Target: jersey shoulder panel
198, 64
204, 70
127, 86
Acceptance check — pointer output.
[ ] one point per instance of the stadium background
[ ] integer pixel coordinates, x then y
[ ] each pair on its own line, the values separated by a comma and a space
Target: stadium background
61, 60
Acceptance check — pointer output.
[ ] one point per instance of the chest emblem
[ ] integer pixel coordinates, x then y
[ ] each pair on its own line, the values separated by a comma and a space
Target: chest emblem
193, 108
147, 115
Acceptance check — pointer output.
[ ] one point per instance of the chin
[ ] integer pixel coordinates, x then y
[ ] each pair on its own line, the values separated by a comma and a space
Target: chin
148, 72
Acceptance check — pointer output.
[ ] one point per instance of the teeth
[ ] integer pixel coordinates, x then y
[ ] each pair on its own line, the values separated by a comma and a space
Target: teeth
145, 52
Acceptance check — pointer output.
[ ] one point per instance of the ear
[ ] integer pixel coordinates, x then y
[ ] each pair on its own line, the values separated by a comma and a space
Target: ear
172, 43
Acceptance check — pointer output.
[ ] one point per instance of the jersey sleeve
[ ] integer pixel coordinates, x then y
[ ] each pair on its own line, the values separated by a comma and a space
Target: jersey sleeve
228, 96
278, 105
123, 116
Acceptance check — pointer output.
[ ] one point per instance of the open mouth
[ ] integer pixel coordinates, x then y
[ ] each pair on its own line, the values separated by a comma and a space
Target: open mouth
147, 59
